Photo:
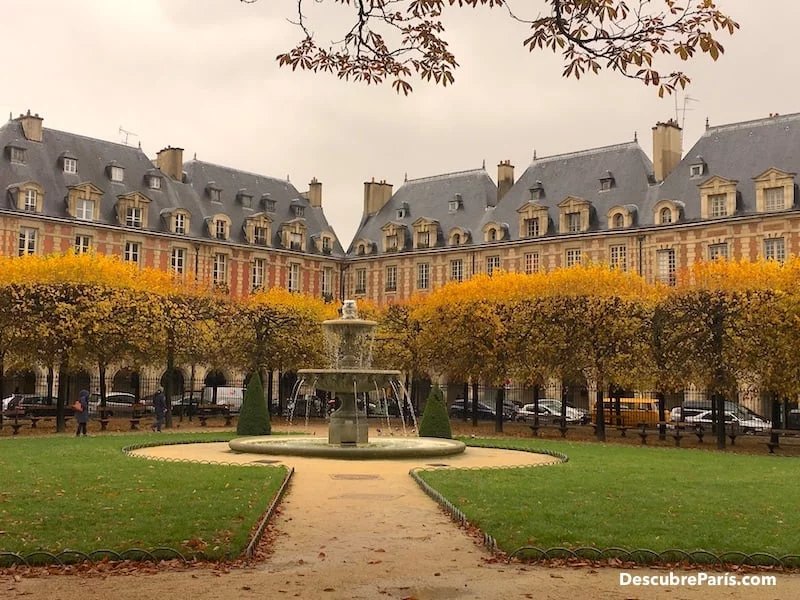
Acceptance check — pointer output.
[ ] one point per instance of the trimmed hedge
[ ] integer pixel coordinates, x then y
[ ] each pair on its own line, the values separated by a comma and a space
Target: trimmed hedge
435, 420
253, 416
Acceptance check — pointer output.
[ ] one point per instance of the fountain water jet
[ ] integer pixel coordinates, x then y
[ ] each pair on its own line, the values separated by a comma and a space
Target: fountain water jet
349, 341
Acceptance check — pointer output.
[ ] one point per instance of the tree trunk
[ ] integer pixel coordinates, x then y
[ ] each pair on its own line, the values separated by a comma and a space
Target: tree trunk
721, 422
61, 402
466, 401
601, 417
536, 393
271, 381
168, 391
474, 403
662, 426
2, 383
498, 409
776, 417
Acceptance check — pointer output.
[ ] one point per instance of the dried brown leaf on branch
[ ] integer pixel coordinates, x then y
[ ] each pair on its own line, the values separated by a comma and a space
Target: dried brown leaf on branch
395, 41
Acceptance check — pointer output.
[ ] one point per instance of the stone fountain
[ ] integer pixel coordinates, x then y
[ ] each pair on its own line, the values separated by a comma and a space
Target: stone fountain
348, 341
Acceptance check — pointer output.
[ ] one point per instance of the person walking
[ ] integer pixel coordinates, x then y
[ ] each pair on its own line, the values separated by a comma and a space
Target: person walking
159, 408
82, 415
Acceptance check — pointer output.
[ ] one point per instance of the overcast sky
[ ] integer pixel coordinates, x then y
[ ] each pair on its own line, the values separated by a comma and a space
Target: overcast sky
201, 74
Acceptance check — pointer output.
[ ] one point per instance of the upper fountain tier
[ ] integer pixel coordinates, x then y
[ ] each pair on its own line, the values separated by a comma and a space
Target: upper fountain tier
348, 341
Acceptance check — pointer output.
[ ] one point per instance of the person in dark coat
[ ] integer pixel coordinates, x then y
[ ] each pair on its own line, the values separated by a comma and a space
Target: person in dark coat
82, 417
159, 408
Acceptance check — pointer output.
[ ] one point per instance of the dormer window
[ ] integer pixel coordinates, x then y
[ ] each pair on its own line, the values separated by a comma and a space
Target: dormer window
606, 182
245, 199
16, 154
299, 211
402, 211
697, 169
532, 227
133, 217
717, 205
573, 222
493, 235
391, 243
454, 204
423, 239
154, 182
774, 190
456, 239
537, 191
179, 223
268, 203
70, 165
31, 200
665, 216
260, 236
296, 241
116, 173
221, 230
327, 247
214, 192
619, 221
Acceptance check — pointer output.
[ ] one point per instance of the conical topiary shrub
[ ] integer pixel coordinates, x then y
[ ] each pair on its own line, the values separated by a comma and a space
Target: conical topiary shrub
435, 421
253, 416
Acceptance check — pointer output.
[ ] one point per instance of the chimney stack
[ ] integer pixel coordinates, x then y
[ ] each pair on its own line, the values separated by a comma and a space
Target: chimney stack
170, 161
314, 193
31, 126
505, 178
667, 148
376, 195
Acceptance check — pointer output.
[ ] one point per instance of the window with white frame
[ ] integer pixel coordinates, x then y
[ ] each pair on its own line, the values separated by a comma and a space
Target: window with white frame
257, 274
361, 281
84, 209
696, 170
31, 200
294, 277
260, 235
215, 194
718, 205
573, 222
117, 173
452, 206
619, 257
27, 241
154, 182
82, 244
619, 221
423, 276
493, 234
70, 165
132, 252
178, 261
665, 216
531, 263
665, 263
133, 216
423, 239
269, 205
774, 249
773, 199
327, 248
492, 264
220, 229
327, 281
299, 211
718, 251
219, 274
391, 242
457, 270
391, 278
296, 241
180, 223
574, 256
532, 227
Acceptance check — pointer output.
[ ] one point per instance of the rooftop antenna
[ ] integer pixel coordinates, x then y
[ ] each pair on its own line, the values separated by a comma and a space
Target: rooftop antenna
686, 99
126, 133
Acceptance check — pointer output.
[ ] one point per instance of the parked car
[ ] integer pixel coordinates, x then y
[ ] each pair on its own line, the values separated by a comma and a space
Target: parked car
745, 423
7, 401
550, 413
484, 411
36, 406
632, 411
118, 404
692, 408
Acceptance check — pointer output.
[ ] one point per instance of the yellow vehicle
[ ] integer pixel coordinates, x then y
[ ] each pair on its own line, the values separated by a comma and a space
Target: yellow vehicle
632, 412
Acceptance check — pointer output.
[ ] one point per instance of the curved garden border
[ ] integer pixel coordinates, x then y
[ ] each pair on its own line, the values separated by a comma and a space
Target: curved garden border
155, 555
643, 556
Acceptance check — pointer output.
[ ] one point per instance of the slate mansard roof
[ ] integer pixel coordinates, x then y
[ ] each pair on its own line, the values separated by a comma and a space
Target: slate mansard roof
44, 166
429, 198
738, 151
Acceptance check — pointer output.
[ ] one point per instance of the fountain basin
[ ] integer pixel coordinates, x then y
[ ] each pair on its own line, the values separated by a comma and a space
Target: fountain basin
376, 448
344, 381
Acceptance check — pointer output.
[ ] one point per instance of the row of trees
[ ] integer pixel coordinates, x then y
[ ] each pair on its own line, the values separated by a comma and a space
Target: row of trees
724, 324
74, 312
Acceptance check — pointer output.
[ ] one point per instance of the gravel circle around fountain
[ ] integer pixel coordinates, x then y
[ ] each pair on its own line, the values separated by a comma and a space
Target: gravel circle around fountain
375, 448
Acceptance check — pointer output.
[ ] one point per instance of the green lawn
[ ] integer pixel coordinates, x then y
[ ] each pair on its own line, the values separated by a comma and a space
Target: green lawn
59, 492
633, 497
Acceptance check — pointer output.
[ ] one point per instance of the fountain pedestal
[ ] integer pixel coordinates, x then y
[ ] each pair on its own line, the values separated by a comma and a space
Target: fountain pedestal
346, 428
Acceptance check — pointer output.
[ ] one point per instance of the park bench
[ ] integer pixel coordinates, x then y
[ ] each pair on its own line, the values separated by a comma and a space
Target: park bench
788, 435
